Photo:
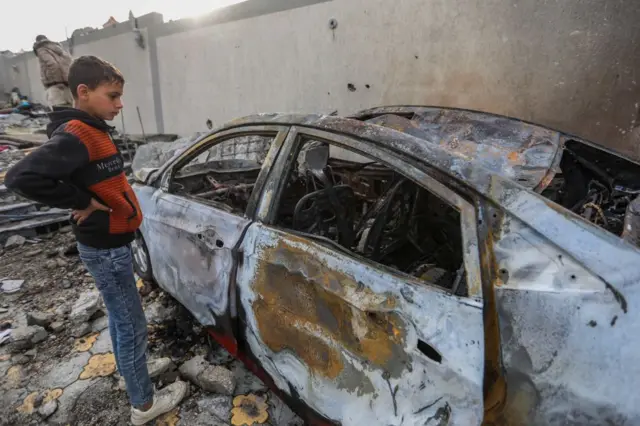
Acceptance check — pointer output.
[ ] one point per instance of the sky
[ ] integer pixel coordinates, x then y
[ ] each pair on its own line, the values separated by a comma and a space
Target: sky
56, 19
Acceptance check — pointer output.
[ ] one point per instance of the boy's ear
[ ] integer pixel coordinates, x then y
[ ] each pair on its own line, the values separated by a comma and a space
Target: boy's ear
83, 91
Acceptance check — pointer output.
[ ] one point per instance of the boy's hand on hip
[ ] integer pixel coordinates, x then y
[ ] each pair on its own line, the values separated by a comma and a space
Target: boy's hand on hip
81, 215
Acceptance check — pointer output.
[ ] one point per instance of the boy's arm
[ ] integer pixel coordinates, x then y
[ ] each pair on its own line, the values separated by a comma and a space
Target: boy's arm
43, 175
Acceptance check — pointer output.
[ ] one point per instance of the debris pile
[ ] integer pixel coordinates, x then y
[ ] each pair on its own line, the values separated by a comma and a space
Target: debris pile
57, 364
14, 124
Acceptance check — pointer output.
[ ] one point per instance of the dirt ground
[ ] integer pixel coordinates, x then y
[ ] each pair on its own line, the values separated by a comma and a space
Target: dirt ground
57, 366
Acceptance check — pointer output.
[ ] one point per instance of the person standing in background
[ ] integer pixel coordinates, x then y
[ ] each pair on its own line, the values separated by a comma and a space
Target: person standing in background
54, 71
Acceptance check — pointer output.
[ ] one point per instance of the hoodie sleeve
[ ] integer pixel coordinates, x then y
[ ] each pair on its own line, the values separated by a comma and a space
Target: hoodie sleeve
44, 175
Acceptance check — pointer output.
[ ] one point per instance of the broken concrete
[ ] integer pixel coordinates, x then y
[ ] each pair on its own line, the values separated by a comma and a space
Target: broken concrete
24, 338
12, 286
85, 306
42, 319
216, 405
156, 312
14, 241
217, 379
80, 330
57, 326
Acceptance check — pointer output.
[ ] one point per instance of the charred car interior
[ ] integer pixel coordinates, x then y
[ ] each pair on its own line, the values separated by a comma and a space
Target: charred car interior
362, 206
225, 174
369, 210
595, 185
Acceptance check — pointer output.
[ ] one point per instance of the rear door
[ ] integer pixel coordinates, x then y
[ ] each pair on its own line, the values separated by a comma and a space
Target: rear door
356, 340
194, 221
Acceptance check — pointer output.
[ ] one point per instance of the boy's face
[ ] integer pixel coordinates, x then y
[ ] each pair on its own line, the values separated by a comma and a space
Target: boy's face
103, 102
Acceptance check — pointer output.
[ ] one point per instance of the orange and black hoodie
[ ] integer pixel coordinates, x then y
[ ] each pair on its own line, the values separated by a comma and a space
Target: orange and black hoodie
80, 162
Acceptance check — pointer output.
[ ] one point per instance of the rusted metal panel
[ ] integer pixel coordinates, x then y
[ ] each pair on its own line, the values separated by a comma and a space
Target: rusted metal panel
346, 337
567, 297
520, 151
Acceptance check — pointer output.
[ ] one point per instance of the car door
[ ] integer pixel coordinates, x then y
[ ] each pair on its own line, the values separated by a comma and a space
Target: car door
357, 342
191, 239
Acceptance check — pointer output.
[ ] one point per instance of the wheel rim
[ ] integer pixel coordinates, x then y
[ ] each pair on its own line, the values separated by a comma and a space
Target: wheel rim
140, 255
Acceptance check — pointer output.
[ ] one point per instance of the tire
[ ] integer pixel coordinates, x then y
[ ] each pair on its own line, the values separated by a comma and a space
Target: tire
141, 259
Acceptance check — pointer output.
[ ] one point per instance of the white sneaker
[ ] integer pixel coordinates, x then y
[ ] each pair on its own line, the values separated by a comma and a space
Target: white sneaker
164, 401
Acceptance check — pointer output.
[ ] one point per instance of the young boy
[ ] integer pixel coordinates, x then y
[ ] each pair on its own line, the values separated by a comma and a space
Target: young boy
80, 168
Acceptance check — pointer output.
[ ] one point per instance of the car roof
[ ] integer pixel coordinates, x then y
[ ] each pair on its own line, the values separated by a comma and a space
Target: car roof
448, 139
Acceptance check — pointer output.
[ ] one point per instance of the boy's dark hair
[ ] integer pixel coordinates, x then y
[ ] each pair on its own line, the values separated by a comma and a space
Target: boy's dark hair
92, 71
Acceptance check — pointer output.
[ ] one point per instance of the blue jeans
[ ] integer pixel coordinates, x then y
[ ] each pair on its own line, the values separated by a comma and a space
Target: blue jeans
112, 270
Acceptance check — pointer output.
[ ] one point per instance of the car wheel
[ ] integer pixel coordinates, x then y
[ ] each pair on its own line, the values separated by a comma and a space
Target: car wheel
141, 260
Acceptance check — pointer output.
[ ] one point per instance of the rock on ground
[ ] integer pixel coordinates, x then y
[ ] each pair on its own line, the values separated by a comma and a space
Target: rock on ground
192, 368
86, 305
57, 326
42, 319
80, 330
217, 379
48, 409
217, 405
12, 286
24, 338
15, 241
157, 313
211, 378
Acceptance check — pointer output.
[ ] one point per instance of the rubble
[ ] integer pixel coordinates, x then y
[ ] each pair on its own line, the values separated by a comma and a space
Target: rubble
42, 319
11, 286
47, 410
217, 379
81, 329
85, 307
156, 313
57, 326
216, 405
14, 241
60, 301
24, 338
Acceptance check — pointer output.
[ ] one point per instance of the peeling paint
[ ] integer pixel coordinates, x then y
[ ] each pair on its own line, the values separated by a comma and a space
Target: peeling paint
361, 344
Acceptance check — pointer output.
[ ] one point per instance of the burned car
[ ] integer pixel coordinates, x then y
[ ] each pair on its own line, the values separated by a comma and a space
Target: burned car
407, 265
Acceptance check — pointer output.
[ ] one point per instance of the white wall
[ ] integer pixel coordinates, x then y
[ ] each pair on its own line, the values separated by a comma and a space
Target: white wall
36, 89
566, 64
16, 75
122, 51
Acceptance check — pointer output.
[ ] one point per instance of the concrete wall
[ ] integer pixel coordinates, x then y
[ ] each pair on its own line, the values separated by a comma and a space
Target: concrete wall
133, 62
16, 74
568, 64
36, 89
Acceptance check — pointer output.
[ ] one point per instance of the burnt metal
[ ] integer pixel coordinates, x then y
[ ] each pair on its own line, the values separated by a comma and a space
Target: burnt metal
336, 324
